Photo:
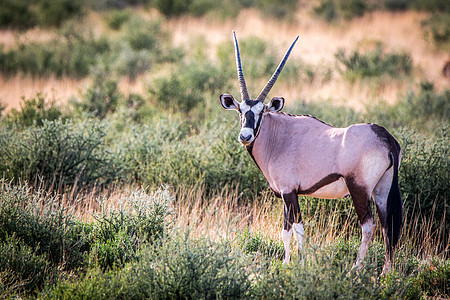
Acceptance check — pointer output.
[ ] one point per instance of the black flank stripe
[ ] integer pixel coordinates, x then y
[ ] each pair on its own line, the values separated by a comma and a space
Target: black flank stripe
323, 182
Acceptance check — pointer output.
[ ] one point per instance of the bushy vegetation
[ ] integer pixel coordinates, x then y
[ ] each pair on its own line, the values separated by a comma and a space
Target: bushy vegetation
334, 10
71, 54
64, 231
276, 9
40, 241
132, 251
24, 14
58, 154
36, 110
436, 29
75, 52
374, 64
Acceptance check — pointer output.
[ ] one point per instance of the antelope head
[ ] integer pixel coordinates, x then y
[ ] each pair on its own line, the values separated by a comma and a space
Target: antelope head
251, 111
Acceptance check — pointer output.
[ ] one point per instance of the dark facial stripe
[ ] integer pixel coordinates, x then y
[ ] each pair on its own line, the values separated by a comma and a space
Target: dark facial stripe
256, 131
321, 183
249, 120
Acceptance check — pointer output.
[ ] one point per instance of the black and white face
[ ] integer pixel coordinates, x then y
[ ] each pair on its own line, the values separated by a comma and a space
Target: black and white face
251, 114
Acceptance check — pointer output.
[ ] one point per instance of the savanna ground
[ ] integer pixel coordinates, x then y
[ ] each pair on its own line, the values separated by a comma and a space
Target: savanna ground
122, 176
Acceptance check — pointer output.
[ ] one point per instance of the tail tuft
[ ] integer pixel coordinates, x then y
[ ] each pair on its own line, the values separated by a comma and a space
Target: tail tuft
394, 206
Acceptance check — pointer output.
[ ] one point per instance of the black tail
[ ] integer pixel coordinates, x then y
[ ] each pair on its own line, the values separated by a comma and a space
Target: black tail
394, 206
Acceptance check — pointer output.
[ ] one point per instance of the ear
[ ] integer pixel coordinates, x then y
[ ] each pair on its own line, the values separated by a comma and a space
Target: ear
276, 104
228, 102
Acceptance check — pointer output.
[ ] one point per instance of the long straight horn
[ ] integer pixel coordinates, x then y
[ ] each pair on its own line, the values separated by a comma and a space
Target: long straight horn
242, 85
275, 75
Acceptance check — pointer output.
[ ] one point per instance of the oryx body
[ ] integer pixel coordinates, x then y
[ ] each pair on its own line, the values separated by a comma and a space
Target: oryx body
301, 155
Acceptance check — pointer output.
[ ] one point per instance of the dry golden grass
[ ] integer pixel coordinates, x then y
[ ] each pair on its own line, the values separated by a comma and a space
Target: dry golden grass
224, 216
15, 88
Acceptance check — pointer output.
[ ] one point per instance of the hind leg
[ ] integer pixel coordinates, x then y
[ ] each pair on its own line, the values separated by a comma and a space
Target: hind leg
361, 199
380, 195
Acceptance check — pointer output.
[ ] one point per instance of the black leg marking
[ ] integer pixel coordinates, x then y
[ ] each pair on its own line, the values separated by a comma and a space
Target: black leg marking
291, 210
360, 198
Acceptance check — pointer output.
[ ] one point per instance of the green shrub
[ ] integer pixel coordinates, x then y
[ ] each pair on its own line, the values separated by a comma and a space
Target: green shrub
172, 8
172, 94
435, 6
256, 243
426, 106
396, 5
425, 111
424, 177
116, 18
133, 63
186, 89
332, 10
142, 35
37, 239
172, 152
353, 8
21, 269
34, 111
180, 267
117, 236
219, 9
101, 98
58, 155
199, 8
16, 14
197, 269
327, 10
70, 54
321, 276
431, 281
104, 5
374, 64
436, 29
277, 9
55, 12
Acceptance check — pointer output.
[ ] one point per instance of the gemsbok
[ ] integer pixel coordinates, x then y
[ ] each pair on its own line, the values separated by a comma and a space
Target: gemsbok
301, 155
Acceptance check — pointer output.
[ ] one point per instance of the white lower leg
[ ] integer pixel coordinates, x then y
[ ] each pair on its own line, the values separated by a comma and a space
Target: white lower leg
286, 237
387, 257
368, 228
299, 234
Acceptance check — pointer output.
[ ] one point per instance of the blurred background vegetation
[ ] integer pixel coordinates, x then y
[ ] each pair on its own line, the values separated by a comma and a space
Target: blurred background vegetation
107, 193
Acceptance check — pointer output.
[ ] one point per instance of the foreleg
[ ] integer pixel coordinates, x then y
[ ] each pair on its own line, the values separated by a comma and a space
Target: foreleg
292, 220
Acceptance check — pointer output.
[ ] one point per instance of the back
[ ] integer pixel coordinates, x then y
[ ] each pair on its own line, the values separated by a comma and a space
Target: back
288, 146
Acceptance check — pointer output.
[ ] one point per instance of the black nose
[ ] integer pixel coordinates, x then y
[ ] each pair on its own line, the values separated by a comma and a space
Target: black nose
245, 138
